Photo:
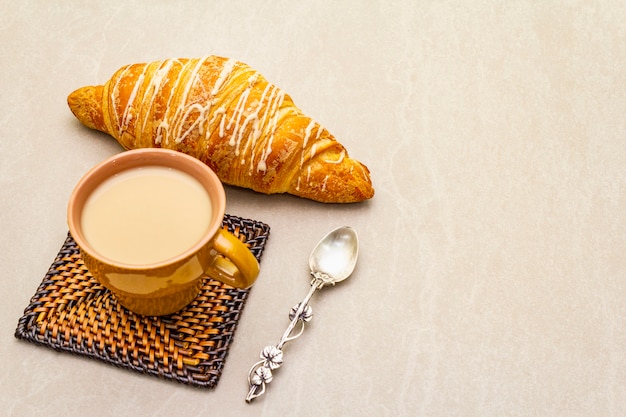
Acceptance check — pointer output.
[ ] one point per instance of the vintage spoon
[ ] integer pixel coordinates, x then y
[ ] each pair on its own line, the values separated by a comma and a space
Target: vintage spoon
332, 261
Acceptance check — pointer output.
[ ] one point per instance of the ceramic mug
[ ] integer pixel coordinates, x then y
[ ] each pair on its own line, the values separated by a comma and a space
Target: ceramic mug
158, 286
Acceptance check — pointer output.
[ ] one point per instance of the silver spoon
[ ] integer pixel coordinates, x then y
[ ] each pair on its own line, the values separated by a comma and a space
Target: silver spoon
332, 261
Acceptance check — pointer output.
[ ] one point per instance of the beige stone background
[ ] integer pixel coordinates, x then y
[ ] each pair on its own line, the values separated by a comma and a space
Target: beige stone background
492, 273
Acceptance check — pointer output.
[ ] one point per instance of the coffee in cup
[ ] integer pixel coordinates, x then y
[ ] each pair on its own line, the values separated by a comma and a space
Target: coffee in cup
148, 224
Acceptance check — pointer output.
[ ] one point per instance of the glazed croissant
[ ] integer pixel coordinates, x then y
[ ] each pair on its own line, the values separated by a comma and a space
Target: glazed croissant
230, 117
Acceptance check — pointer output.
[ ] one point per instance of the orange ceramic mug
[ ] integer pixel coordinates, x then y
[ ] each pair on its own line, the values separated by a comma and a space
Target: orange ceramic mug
148, 224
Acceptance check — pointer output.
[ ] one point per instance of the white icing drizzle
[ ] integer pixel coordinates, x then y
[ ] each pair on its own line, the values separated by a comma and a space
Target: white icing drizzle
307, 134
226, 70
252, 118
202, 110
249, 122
154, 88
114, 95
159, 137
219, 112
240, 108
165, 126
174, 124
182, 112
262, 166
324, 183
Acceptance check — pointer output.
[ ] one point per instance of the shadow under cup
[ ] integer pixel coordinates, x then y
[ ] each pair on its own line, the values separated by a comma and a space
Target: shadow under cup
167, 286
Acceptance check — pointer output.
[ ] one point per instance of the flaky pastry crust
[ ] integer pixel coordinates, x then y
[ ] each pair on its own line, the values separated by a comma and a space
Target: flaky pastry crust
229, 116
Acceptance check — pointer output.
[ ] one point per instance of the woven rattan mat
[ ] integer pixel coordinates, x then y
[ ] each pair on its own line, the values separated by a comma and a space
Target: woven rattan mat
71, 312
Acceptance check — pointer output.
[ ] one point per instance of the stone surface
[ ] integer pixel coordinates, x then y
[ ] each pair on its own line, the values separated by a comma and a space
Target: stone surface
491, 278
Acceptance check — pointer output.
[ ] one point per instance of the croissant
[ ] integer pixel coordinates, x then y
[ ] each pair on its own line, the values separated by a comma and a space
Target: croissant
229, 116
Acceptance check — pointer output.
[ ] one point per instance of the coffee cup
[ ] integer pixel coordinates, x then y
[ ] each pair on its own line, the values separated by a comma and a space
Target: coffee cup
148, 223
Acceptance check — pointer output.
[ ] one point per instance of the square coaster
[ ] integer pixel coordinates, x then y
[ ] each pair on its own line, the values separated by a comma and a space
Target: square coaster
71, 312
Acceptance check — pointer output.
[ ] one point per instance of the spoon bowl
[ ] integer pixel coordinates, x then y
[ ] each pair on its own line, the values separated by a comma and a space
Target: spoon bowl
335, 255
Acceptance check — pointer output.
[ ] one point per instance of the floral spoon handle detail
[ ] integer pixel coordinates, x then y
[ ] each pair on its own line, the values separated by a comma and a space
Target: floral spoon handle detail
272, 356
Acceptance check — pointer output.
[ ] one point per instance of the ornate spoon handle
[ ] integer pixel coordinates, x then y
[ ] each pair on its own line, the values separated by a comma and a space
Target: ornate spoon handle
272, 356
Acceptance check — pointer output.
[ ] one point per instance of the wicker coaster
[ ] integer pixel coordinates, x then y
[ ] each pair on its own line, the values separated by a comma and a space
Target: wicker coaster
71, 312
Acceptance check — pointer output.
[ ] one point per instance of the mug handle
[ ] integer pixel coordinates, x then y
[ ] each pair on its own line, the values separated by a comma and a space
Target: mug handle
237, 266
